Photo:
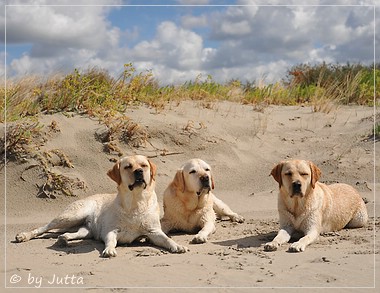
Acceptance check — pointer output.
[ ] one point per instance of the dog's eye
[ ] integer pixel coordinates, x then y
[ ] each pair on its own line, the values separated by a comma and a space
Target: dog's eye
128, 167
304, 174
288, 173
192, 172
207, 169
144, 166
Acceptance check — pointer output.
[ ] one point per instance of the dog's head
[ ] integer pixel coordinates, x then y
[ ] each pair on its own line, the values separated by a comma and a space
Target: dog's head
133, 172
296, 177
194, 176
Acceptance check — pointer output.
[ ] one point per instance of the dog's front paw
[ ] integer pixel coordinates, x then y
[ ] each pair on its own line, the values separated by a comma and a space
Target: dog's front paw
179, 249
237, 218
22, 237
271, 246
109, 252
297, 247
199, 239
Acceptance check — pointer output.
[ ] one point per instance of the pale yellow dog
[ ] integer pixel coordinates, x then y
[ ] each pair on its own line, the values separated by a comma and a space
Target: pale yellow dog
311, 207
189, 204
115, 218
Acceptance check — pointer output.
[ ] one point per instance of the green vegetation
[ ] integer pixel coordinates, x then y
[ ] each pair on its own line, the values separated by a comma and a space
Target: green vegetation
95, 91
344, 84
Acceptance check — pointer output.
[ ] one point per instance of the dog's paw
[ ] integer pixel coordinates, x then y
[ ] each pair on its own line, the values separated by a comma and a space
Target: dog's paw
22, 237
179, 249
271, 246
237, 218
62, 240
199, 239
109, 252
297, 247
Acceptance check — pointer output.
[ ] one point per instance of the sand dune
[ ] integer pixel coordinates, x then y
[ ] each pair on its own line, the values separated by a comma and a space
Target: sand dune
242, 145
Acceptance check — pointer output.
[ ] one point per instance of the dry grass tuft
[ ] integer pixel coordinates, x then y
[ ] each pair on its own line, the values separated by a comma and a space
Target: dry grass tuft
121, 129
23, 143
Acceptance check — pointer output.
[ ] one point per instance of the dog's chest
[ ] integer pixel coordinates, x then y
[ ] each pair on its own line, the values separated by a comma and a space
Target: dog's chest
196, 218
137, 220
296, 212
132, 226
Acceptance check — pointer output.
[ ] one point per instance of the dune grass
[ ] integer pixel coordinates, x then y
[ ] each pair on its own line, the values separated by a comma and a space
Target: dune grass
95, 91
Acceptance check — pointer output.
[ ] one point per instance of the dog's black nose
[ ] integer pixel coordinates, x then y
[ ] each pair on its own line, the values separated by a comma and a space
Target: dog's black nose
297, 186
139, 173
205, 180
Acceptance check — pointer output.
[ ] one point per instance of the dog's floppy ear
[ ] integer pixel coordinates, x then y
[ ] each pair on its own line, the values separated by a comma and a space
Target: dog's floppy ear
179, 181
114, 173
315, 173
276, 173
153, 170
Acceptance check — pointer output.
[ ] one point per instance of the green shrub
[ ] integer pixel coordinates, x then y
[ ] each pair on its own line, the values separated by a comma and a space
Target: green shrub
95, 91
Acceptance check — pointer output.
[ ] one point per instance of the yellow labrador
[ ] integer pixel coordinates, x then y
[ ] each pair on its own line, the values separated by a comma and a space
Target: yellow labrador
311, 207
115, 218
189, 204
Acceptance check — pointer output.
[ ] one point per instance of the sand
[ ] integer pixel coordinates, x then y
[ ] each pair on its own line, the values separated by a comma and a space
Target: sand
242, 145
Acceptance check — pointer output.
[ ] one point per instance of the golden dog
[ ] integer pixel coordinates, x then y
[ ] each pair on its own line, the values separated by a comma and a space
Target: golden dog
311, 207
115, 218
189, 204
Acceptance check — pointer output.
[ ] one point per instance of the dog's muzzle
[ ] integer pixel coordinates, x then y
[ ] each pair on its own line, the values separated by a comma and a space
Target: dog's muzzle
139, 179
205, 182
296, 186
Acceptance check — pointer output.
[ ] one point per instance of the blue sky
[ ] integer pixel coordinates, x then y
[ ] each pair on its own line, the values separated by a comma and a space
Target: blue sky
246, 39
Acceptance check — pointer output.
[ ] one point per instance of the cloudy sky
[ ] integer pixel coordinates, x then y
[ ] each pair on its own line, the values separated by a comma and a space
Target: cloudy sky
179, 39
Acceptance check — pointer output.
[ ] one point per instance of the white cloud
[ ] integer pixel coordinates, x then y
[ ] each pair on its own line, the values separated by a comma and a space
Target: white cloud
191, 21
235, 29
172, 46
72, 27
61, 37
235, 22
319, 55
27, 65
81, 58
245, 42
302, 16
293, 34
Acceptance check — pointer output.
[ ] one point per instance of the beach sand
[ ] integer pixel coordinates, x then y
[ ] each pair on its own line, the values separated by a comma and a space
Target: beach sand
242, 145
